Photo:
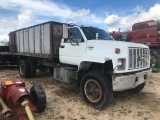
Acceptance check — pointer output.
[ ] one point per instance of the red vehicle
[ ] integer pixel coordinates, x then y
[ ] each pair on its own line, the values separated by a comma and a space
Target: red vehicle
148, 33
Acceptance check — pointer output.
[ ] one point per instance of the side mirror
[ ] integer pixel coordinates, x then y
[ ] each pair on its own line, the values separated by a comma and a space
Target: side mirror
65, 31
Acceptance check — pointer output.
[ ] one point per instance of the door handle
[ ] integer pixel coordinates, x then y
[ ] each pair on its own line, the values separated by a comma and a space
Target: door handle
91, 46
62, 46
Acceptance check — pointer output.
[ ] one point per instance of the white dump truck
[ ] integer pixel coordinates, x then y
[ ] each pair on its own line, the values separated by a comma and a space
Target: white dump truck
86, 55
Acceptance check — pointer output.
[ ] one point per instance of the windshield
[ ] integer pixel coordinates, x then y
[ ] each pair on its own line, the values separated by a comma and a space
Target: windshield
92, 33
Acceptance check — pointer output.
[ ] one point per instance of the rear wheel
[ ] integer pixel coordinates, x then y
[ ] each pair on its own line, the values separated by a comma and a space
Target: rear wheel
24, 69
39, 97
32, 68
96, 90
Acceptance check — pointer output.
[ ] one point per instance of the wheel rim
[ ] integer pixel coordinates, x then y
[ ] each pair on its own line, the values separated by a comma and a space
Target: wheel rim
21, 69
153, 61
93, 90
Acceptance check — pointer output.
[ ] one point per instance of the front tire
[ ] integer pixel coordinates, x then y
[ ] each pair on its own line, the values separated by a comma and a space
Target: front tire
96, 90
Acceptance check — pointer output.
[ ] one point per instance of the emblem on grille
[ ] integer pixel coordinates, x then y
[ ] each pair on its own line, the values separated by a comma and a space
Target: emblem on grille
141, 58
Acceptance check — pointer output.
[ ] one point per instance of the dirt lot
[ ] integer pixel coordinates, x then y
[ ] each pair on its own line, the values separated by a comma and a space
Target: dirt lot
64, 102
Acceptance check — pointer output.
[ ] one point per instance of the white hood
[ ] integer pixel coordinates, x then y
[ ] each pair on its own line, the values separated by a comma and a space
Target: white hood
109, 46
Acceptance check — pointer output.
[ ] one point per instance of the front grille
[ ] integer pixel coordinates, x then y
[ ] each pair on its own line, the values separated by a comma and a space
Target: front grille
138, 58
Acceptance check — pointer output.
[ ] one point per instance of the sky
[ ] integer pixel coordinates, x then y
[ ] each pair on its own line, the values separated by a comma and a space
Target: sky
109, 15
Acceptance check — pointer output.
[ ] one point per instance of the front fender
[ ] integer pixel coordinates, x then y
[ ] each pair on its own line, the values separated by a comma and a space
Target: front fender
98, 58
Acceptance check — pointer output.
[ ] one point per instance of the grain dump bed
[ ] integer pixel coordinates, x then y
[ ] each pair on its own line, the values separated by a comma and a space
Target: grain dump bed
41, 40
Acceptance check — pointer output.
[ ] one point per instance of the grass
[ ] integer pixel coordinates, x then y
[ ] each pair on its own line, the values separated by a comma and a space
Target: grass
155, 69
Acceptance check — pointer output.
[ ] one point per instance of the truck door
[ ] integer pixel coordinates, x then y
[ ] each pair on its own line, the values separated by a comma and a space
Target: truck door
71, 49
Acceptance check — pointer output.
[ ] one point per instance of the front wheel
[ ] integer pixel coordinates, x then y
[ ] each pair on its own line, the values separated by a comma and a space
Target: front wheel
96, 90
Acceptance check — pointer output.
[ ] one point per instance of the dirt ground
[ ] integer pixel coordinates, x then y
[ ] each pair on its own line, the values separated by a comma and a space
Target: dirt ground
64, 102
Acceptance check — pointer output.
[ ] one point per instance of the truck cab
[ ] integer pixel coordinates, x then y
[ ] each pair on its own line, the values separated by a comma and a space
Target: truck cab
85, 44
103, 61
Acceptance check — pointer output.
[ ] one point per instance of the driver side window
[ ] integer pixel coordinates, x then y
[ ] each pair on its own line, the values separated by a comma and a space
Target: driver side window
74, 36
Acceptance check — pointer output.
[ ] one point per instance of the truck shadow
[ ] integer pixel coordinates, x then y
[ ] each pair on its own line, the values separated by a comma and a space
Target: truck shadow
123, 99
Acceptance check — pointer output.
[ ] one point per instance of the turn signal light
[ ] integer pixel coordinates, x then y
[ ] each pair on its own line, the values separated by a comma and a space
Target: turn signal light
117, 50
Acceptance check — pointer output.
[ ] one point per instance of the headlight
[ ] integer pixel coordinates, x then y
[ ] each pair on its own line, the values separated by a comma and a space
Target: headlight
120, 61
121, 64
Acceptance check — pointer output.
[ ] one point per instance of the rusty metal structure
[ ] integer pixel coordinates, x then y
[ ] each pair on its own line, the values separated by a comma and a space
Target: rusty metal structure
41, 40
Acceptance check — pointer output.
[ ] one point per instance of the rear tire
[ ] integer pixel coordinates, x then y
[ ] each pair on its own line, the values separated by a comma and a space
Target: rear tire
39, 97
24, 69
32, 68
96, 90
